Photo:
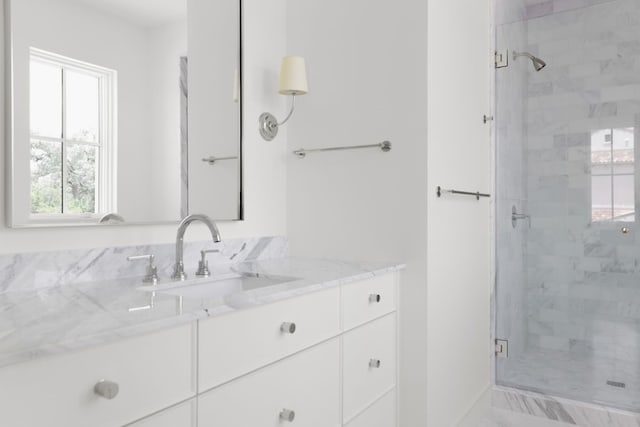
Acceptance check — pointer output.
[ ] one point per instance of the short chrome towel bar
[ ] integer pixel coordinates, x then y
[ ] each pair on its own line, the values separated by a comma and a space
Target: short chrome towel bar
385, 146
477, 195
212, 160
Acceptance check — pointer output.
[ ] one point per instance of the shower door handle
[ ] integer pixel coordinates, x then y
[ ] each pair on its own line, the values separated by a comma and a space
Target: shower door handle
515, 217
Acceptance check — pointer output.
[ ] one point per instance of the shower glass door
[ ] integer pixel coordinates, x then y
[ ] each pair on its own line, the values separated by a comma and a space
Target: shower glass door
567, 243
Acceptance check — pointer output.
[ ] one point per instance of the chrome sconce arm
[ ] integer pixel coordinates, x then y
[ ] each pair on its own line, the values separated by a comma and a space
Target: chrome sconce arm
269, 125
293, 107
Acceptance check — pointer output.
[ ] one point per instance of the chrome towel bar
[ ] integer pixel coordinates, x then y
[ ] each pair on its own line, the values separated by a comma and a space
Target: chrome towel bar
477, 195
385, 146
212, 160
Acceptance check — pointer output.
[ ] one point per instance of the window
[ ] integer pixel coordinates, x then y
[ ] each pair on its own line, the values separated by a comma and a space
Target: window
612, 175
72, 136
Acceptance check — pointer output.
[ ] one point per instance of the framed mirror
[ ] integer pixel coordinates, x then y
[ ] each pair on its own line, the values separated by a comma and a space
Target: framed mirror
123, 112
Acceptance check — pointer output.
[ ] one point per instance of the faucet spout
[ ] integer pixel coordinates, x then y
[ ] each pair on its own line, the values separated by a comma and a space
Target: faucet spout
178, 272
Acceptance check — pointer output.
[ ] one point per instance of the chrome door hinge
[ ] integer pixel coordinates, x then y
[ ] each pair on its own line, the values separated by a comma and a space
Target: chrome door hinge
502, 58
502, 348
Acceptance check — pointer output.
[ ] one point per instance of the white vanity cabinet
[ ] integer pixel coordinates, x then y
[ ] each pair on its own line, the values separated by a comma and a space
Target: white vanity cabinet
369, 360
381, 414
181, 415
152, 372
338, 367
322, 359
370, 352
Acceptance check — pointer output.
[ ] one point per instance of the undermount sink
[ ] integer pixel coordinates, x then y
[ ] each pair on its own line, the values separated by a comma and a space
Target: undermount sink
218, 286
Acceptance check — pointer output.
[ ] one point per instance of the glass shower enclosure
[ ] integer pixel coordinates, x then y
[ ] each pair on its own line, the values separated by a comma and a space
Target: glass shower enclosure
567, 246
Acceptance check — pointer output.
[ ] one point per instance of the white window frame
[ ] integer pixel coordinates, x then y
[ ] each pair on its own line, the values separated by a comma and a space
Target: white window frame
612, 174
106, 174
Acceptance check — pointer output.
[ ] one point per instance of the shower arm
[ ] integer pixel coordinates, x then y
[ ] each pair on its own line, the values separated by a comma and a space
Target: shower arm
526, 54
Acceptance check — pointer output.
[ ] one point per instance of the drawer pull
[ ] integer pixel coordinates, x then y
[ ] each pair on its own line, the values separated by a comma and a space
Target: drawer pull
374, 363
375, 298
287, 415
288, 328
106, 389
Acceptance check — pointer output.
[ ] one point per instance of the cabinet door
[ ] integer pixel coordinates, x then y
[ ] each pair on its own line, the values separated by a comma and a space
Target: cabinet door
308, 384
183, 415
152, 372
380, 414
364, 380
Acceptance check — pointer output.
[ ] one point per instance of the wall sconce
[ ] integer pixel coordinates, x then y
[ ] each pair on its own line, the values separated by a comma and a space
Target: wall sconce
293, 81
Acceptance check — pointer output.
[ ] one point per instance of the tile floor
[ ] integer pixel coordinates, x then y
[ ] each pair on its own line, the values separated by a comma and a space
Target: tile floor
572, 376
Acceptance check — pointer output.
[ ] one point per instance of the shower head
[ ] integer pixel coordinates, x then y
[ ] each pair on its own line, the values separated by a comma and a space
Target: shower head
538, 63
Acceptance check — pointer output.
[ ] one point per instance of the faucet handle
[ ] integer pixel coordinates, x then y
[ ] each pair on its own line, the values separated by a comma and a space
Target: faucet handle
203, 264
152, 270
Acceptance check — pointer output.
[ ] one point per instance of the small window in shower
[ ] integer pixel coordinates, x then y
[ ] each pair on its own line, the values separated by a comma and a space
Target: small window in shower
612, 175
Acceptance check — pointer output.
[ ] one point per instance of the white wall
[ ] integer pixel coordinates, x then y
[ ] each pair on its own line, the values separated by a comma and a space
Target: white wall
459, 227
368, 66
367, 82
265, 174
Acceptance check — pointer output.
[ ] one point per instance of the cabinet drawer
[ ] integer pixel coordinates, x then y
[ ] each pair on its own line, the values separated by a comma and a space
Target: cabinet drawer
183, 415
307, 384
153, 372
364, 381
369, 299
241, 342
380, 414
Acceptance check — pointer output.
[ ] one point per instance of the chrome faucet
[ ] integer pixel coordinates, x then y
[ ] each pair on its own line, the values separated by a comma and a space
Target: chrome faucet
178, 272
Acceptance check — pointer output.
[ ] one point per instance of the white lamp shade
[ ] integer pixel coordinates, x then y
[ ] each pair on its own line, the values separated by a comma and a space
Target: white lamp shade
293, 76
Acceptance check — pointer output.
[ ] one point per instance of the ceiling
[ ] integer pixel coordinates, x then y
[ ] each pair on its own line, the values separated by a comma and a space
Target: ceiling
147, 13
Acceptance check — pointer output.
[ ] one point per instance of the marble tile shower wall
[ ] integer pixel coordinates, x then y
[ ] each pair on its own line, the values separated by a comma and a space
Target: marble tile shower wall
583, 277
511, 91
19, 272
538, 8
509, 11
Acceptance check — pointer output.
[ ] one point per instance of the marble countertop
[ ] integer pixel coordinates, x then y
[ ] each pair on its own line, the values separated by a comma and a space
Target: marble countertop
36, 323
